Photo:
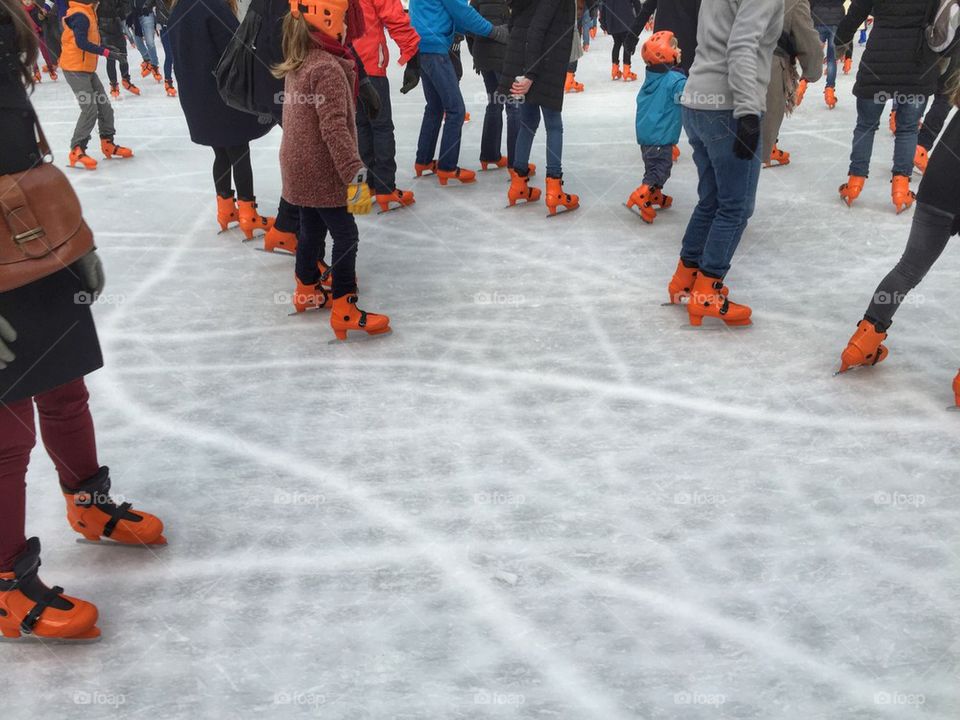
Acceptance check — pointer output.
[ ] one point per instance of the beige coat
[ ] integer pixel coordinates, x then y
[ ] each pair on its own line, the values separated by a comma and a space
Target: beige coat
798, 26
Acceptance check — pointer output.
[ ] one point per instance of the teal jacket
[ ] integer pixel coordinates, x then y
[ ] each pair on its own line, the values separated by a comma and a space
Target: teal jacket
658, 106
436, 21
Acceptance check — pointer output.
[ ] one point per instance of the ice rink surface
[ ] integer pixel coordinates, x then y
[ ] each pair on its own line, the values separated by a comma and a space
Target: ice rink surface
544, 495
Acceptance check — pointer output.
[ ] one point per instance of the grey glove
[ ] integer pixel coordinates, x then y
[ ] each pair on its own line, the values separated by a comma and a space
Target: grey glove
500, 34
7, 335
91, 273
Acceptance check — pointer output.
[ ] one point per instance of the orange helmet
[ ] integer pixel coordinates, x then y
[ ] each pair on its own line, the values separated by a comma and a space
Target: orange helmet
661, 49
327, 16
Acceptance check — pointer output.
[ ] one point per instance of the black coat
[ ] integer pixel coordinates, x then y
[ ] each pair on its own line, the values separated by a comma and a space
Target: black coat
939, 185
269, 51
677, 16
57, 340
487, 54
827, 12
618, 16
897, 59
541, 42
113, 10
199, 32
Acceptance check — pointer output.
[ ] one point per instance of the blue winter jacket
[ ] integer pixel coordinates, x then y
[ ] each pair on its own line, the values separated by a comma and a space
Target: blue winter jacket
436, 21
658, 107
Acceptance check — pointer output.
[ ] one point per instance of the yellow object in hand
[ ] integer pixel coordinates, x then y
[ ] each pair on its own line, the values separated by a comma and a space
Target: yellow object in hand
359, 201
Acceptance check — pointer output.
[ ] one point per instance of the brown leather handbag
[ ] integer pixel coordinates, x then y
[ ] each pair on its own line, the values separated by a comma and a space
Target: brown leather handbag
41, 226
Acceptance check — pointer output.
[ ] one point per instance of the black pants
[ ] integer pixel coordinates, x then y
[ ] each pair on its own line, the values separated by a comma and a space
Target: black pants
376, 142
311, 247
618, 40
288, 218
111, 33
237, 160
928, 237
934, 120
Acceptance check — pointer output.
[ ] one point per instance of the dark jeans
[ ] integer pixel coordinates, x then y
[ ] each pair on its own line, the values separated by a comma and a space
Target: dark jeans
657, 164
727, 190
375, 138
288, 218
311, 247
167, 53
233, 161
869, 113
618, 43
444, 107
68, 436
112, 70
493, 122
529, 122
828, 35
928, 237
111, 33
934, 120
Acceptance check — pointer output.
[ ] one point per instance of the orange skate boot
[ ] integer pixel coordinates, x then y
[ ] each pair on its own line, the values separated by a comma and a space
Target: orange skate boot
642, 199
920, 158
628, 75
155, 71
847, 65
144, 68
557, 198
531, 171
520, 190
777, 157
893, 122
956, 389
279, 240
901, 194
801, 91
92, 513
708, 299
309, 296
169, 88
404, 198
461, 174
130, 87
79, 155
830, 97
615, 73
345, 316
864, 348
250, 219
115, 90
226, 211
493, 164
429, 168
111, 150
851, 189
676, 153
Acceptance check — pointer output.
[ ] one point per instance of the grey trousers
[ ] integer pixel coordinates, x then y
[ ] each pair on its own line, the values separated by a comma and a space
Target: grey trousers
928, 237
95, 108
657, 164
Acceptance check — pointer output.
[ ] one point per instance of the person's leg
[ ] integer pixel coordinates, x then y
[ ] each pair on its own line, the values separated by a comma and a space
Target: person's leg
905, 143
443, 78
828, 34
529, 121
934, 121
657, 164
365, 140
432, 112
167, 54
490, 140
68, 434
627, 57
311, 245
105, 119
617, 44
869, 113
383, 172
242, 171
512, 109
112, 71
222, 177
703, 214
928, 237
81, 84
585, 28
138, 42
288, 217
346, 237
736, 182
148, 23
17, 438
553, 124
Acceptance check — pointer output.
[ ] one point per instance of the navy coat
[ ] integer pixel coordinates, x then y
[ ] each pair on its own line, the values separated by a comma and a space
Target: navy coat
199, 32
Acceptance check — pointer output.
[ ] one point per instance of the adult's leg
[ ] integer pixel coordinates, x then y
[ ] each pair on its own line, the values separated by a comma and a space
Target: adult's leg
703, 214
17, 438
365, 140
311, 245
553, 123
869, 113
343, 230
242, 170
167, 53
432, 113
221, 172
105, 119
148, 23
905, 142
82, 86
112, 70
383, 172
68, 434
928, 237
443, 79
492, 136
828, 34
529, 121
137, 41
617, 44
512, 109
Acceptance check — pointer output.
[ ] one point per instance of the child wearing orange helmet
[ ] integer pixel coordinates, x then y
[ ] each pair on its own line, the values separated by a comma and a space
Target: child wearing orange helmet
658, 122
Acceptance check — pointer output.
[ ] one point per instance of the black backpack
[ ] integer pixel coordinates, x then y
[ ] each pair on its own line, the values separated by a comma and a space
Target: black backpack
237, 70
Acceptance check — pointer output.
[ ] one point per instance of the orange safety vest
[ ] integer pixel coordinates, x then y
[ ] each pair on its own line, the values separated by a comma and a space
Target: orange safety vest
73, 58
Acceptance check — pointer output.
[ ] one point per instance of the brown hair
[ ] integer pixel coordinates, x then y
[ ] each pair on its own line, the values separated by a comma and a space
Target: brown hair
954, 88
27, 42
296, 45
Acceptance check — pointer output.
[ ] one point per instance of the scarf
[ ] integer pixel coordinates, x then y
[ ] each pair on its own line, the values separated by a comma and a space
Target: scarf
355, 29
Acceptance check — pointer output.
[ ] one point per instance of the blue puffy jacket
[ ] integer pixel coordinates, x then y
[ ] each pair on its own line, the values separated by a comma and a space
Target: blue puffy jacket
658, 107
436, 21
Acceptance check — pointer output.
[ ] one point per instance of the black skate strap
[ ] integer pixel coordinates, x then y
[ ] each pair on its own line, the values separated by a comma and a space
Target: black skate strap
45, 601
363, 319
117, 513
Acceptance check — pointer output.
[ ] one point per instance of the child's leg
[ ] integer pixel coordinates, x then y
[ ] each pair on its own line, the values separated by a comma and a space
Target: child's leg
112, 70
343, 230
105, 118
17, 438
529, 121
311, 245
553, 122
67, 430
657, 164
81, 84
432, 113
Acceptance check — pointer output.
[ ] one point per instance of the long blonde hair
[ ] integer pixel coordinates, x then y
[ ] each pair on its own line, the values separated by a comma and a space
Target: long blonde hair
296, 45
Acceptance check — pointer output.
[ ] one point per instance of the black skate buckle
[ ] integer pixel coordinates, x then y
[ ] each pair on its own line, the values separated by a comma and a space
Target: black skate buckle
33, 617
363, 319
116, 515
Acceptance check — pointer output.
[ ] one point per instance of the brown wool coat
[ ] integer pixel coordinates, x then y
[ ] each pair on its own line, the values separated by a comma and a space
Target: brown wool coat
318, 153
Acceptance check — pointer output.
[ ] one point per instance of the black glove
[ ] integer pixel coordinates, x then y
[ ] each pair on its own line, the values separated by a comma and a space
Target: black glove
116, 53
748, 137
500, 34
370, 99
411, 74
455, 60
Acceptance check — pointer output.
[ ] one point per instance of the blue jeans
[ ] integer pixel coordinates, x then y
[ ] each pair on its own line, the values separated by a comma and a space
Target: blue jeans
869, 113
148, 23
136, 40
442, 92
493, 122
167, 53
828, 34
529, 122
586, 22
727, 190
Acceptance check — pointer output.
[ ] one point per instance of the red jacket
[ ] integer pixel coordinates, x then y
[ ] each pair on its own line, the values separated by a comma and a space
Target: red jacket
372, 45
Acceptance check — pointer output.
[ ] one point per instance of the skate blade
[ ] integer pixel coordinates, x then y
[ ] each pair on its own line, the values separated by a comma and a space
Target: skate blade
774, 165
562, 212
360, 336
325, 306
278, 251
107, 542
393, 209
953, 408
521, 203
84, 639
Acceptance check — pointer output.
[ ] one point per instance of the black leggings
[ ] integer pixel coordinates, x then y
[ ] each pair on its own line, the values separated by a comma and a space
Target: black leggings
618, 43
311, 247
112, 70
928, 237
237, 159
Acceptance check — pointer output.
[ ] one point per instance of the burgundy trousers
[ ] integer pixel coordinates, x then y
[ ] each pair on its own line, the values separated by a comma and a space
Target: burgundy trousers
67, 431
